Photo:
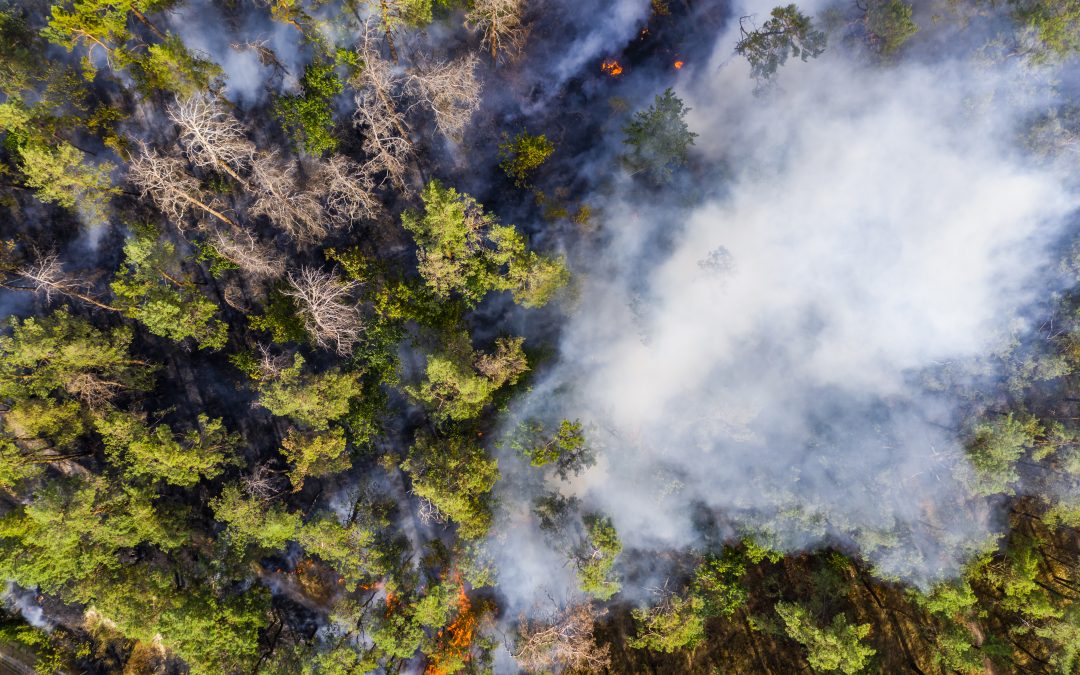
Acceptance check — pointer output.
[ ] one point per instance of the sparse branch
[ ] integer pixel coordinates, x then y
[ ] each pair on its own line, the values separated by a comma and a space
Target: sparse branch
330, 315
499, 22
562, 639
166, 181
282, 199
348, 190
212, 138
252, 256
451, 90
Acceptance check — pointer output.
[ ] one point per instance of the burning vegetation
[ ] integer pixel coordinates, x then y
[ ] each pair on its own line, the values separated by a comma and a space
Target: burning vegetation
611, 67
277, 395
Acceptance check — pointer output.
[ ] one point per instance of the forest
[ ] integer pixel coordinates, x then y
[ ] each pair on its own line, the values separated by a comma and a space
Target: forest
540, 336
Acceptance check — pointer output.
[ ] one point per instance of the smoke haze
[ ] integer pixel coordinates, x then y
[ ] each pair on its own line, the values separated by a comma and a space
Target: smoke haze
766, 353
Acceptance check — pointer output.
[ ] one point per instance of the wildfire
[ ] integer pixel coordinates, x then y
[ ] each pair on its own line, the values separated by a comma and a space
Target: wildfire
457, 639
611, 67
679, 65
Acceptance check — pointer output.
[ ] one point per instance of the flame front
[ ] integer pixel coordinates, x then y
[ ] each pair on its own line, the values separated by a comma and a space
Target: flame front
611, 67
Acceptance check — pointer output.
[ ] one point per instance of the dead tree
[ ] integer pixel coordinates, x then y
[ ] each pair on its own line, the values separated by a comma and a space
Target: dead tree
330, 314
451, 90
281, 198
241, 248
46, 275
165, 180
499, 23
348, 190
212, 138
562, 640
386, 137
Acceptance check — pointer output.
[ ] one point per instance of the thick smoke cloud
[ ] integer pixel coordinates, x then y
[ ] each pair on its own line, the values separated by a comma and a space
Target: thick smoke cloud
768, 353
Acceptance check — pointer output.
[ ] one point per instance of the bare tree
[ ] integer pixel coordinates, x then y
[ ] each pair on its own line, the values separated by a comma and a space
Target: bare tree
348, 190
281, 198
330, 314
386, 138
452, 91
46, 275
211, 137
499, 22
241, 248
165, 180
562, 640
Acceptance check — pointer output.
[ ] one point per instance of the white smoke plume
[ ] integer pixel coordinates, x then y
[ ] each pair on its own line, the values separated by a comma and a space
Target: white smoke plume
765, 354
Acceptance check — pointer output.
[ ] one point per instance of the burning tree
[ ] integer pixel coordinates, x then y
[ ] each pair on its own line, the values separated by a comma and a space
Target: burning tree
563, 639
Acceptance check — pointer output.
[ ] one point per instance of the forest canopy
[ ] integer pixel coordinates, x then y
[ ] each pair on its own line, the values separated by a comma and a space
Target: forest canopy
469, 336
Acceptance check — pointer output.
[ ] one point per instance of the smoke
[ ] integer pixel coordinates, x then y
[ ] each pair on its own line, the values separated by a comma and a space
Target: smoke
768, 352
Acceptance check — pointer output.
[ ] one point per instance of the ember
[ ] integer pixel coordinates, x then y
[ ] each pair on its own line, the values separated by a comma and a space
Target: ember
611, 67
679, 65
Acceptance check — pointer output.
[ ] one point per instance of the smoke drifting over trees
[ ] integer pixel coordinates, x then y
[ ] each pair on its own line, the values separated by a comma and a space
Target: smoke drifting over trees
495, 336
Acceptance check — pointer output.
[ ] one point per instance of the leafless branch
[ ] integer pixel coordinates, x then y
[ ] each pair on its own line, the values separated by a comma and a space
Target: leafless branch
241, 248
282, 199
330, 314
211, 137
386, 137
451, 90
348, 189
499, 22
165, 180
564, 640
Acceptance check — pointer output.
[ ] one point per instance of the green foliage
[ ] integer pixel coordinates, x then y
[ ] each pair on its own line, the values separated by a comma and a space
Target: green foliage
674, 624
532, 279
281, 318
836, 647
55, 169
64, 356
788, 32
596, 561
1054, 25
251, 521
456, 476
313, 400
717, 582
659, 138
152, 289
994, 448
73, 530
315, 454
463, 250
890, 23
566, 448
523, 155
213, 629
157, 453
309, 116
459, 383
344, 547
171, 66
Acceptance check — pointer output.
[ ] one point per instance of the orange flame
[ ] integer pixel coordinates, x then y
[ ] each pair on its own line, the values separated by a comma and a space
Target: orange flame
679, 65
611, 67
457, 638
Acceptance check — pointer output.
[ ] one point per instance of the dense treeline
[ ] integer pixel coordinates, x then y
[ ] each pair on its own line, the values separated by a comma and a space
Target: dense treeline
254, 386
